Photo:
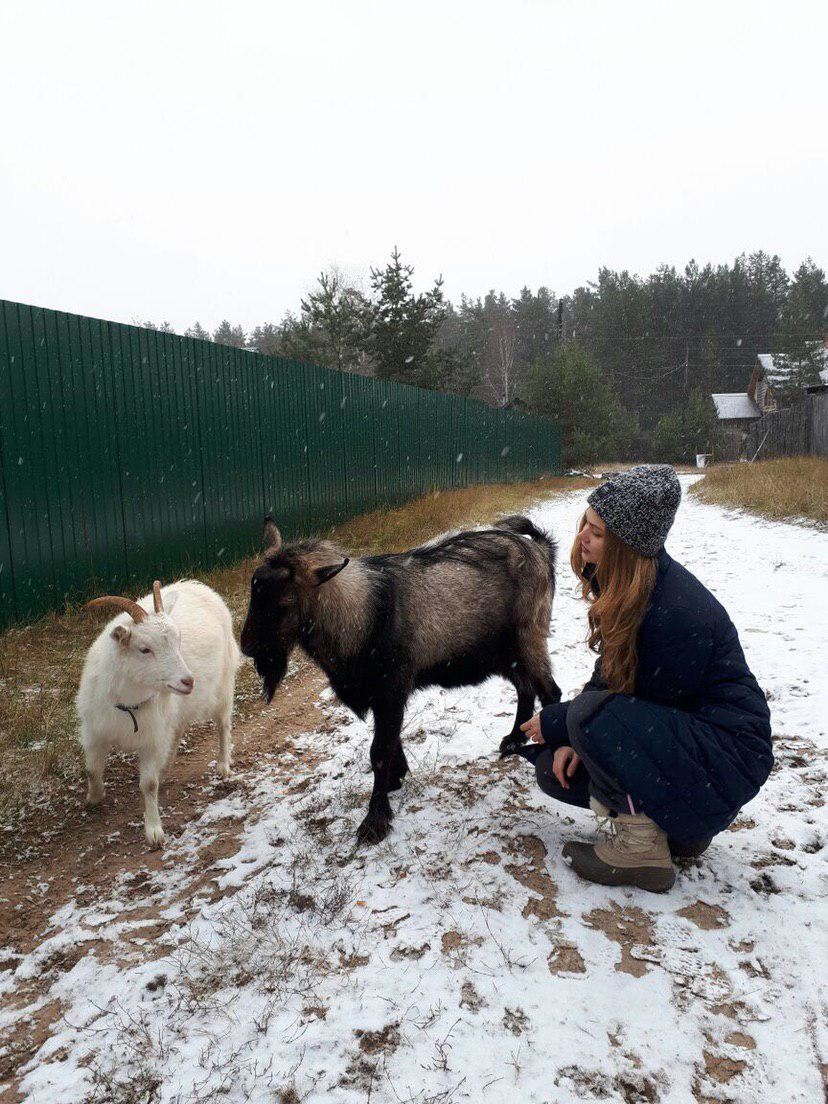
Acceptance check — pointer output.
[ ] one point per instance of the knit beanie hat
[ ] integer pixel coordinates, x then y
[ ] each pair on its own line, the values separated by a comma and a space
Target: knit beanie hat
639, 506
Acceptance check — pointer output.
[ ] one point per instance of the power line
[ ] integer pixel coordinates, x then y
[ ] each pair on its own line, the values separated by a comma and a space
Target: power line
743, 336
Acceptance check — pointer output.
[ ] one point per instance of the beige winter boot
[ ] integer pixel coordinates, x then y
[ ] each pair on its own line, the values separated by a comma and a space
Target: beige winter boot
636, 853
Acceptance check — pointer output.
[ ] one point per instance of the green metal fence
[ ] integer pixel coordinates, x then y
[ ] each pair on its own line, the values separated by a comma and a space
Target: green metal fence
128, 454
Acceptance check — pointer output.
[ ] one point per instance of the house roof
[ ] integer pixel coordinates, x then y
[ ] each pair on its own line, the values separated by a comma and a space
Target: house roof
784, 368
778, 367
735, 405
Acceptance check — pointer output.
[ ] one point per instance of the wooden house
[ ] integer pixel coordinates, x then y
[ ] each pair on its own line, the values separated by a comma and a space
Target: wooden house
738, 410
760, 388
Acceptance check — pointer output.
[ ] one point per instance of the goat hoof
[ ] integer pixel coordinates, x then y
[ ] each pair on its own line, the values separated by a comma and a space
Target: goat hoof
224, 771
395, 784
155, 837
373, 829
511, 745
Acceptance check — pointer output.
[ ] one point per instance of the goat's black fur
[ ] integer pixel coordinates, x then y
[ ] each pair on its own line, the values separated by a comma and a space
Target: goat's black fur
369, 628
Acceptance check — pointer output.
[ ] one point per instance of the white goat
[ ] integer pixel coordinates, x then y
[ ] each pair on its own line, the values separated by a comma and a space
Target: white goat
164, 663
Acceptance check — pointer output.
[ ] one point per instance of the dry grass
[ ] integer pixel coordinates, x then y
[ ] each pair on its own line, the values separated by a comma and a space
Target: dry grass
791, 487
40, 667
418, 521
40, 664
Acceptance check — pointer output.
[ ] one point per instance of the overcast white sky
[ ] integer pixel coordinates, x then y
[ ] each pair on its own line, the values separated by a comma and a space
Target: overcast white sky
204, 160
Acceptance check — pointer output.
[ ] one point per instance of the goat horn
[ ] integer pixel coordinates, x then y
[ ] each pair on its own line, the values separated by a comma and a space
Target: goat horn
136, 612
156, 597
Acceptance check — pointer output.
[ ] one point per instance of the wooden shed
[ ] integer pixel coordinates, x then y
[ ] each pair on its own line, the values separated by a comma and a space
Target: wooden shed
736, 413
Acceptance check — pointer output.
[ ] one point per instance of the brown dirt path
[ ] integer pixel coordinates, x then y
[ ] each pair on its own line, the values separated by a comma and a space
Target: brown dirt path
81, 856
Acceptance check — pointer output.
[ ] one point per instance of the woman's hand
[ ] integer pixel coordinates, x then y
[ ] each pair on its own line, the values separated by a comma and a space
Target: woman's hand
532, 729
565, 762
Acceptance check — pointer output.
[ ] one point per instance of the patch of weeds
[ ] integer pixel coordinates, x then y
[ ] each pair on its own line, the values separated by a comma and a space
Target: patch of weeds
470, 998
515, 1020
131, 1070
268, 937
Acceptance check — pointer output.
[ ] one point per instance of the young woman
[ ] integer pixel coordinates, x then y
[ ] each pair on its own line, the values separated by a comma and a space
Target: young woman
671, 735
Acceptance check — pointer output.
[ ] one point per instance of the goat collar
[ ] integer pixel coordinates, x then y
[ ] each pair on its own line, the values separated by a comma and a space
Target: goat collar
133, 709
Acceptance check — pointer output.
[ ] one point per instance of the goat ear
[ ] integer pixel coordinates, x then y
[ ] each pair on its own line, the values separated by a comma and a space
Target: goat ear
323, 574
271, 538
170, 598
121, 634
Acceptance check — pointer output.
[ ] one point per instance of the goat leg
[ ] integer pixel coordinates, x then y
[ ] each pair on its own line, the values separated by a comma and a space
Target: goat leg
548, 690
95, 756
148, 772
388, 718
537, 667
399, 767
510, 744
224, 721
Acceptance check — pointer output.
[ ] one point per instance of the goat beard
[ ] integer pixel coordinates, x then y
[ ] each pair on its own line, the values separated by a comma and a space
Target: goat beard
270, 667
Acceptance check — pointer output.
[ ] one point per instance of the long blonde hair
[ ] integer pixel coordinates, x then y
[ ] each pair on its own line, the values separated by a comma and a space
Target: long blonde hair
625, 582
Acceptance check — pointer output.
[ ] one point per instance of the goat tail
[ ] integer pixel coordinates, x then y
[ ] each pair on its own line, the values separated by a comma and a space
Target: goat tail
520, 524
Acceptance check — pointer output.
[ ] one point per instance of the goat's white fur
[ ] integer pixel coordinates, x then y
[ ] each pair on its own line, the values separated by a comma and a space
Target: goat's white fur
193, 637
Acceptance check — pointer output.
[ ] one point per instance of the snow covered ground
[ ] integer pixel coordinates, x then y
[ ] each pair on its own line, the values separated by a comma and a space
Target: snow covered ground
462, 960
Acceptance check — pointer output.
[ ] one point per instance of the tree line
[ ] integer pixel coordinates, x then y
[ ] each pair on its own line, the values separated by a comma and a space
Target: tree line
625, 365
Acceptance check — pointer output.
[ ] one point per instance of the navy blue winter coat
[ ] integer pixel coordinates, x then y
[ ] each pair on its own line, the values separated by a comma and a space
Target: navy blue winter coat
692, 745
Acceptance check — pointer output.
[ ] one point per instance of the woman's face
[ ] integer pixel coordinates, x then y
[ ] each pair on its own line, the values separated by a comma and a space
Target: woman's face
591, 537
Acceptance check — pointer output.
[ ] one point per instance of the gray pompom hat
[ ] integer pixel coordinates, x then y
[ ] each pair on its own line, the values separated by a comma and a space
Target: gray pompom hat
639, 506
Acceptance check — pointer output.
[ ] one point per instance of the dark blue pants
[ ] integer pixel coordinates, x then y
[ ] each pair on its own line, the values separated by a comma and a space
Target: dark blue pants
581, 785
589, 778
578, 792
580, 788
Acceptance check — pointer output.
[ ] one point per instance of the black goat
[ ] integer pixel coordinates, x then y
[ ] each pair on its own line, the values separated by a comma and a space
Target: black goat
451, 613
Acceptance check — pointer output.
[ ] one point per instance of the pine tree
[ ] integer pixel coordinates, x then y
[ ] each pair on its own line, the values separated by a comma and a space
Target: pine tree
536, 326
467, 341
698, 424
668, 439
800, 353
403, 326
457, 367
681, 434
336, 319
571, 388
229, 335
198, 332
148, 324
805, 314
297, 341
266, 339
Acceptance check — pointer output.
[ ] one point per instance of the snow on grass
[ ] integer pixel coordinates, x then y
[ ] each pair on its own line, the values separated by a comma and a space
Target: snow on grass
462, 959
